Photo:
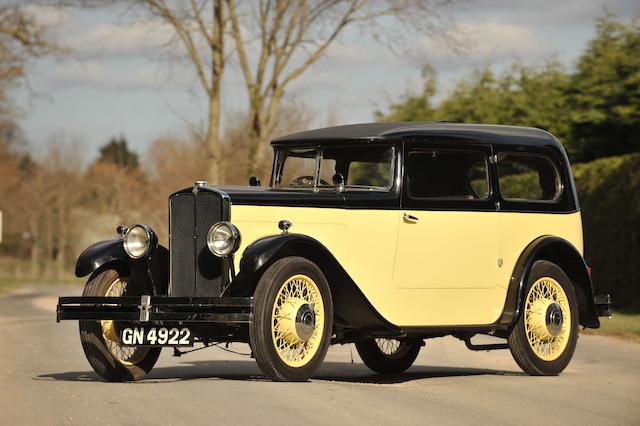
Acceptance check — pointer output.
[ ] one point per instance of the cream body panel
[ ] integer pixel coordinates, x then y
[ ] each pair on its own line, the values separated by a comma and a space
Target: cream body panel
518, 230
447, 249
326, 225
364, 242
446, 270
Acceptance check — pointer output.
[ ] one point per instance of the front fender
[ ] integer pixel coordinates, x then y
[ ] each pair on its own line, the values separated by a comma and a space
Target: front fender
99, 254
151, 273
351, 307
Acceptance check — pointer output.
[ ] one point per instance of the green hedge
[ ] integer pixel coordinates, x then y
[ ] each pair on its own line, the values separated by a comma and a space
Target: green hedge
609, 193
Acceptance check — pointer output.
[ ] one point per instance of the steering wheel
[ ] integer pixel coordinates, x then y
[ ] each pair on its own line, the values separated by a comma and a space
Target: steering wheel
307, 181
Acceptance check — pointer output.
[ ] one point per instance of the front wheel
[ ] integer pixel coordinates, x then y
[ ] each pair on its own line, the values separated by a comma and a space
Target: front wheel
101, 342
544, 338
388, 355
293, 320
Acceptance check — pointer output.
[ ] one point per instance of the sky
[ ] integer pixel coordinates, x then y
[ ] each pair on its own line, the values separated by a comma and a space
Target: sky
119, 79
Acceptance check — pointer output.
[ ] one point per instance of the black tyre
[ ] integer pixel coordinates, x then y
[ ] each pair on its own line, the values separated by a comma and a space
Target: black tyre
100, 340
388, 355
543, 340
293, 320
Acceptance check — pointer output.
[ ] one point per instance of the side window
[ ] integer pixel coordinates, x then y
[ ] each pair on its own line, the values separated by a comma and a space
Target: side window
369, 174
364, 168
450, 174
527, 177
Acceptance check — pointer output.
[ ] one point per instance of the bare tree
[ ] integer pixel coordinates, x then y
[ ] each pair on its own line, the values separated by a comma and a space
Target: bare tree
21, 38
291, 35
275, 42
200, 26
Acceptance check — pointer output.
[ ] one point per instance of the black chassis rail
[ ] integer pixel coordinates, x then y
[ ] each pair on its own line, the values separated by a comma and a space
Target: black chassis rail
157, 308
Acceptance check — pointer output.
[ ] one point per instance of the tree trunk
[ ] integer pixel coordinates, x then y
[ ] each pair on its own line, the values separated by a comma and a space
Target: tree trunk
258, 136
61, 236
34, 250
48, 244
214, 160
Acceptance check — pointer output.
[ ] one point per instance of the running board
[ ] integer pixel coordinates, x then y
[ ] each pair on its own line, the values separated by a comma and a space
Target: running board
486, 347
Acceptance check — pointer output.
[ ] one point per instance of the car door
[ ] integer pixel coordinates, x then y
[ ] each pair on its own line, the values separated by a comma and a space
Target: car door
447, 253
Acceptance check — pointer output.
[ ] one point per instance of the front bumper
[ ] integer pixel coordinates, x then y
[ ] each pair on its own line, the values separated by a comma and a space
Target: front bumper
231, 310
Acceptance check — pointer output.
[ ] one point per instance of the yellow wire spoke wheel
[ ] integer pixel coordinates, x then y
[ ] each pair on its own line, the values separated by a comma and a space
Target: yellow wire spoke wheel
297, 320
388, 355
547, 319
101, 341
127, 355
389, 347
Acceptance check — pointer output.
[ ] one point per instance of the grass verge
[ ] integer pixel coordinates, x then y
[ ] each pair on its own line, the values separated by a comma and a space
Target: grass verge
8, 284
623, 324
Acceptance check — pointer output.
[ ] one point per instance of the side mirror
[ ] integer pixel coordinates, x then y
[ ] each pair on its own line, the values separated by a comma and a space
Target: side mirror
338, 181
254, 181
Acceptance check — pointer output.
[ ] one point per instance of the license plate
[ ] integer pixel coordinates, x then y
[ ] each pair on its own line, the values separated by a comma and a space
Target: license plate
156, 336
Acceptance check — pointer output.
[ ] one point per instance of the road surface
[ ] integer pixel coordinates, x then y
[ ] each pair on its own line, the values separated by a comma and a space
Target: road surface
45, 379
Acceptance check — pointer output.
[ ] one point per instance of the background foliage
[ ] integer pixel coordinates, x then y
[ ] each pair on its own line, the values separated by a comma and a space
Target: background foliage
594, 109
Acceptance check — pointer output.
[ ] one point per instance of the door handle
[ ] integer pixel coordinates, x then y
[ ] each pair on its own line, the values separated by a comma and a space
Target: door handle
409, 218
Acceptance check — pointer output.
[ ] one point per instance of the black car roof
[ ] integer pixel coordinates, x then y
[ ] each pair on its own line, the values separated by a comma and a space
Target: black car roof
367, 132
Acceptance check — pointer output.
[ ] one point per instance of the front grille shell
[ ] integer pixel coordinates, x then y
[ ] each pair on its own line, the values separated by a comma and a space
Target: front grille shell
194, 270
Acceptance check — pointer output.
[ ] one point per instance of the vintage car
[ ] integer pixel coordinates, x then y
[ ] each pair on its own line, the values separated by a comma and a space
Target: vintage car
382, 235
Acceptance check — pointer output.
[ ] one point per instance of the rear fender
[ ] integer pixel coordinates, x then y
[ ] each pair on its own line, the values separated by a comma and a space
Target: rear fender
566, 256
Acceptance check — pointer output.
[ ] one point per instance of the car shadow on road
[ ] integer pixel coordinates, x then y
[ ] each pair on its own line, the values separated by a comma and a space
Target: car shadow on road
248, 371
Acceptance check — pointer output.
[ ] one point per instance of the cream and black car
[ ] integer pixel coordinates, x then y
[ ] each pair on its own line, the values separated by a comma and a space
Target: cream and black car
383, 235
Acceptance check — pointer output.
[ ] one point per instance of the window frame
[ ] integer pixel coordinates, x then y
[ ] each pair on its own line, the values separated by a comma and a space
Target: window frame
278, 167
559, 184
487, 163
445, 143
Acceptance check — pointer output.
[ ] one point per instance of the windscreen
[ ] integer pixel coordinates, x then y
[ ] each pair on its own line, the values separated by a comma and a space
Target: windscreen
361, 167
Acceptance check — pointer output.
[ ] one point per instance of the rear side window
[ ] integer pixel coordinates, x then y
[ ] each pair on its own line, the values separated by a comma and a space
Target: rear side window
527, 177
448, 174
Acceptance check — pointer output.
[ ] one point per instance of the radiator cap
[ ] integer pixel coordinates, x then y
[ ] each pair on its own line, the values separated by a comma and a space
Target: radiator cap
201, 183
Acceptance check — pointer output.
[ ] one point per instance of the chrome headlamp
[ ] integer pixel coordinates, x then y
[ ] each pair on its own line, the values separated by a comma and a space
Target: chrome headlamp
138, 240
223, 239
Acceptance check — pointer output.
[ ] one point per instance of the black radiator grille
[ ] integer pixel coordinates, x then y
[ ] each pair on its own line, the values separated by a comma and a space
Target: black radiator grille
195, 271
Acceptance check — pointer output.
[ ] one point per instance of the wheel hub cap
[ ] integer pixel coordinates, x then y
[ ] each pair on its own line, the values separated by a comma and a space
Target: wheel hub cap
305, 322
546, 318
297, 320
554, 319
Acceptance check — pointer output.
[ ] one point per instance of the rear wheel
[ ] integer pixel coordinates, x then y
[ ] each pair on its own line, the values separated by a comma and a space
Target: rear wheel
543, 340
293, 320
101, 342
388, 355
